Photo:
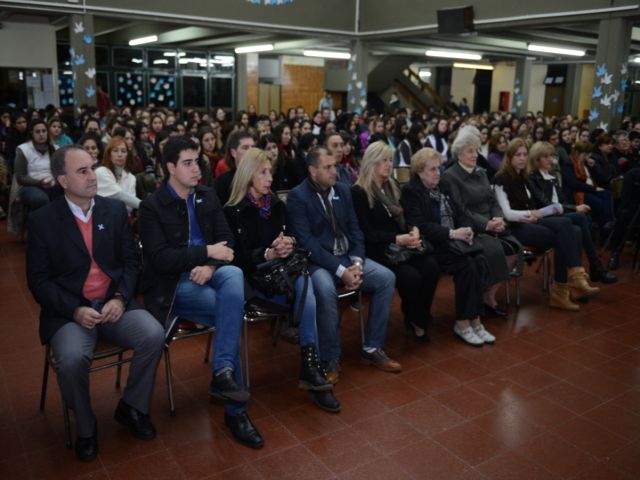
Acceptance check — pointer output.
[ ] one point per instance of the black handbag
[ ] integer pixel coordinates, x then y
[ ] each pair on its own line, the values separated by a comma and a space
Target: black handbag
462, 248
396, 254
276, 277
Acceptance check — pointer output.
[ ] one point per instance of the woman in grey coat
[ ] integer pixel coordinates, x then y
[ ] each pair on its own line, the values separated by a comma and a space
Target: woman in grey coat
468, 187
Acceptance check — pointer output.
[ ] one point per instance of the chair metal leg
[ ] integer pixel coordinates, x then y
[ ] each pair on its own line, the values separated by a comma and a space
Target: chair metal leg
119, 370
545, 272
507, 290
247, 380
207, 350
361, 315
517, 291
167, 364
45, 378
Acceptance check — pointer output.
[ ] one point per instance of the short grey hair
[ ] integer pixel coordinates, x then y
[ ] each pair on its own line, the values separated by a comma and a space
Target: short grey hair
467, 135
58, 158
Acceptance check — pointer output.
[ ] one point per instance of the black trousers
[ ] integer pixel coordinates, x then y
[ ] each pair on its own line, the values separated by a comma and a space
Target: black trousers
416, 281
470, 274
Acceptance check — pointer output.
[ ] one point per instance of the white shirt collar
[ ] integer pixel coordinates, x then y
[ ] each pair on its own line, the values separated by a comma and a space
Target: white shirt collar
77, 211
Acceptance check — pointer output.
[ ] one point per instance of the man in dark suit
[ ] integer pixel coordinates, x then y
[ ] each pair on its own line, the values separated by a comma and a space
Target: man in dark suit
81, 268
323, 220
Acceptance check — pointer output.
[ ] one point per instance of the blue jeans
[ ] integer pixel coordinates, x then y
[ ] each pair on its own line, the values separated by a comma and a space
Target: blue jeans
218, 302
601, 204
378, 281
307, 327
35, 197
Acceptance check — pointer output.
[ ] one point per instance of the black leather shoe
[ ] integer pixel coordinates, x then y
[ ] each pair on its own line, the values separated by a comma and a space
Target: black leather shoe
325, 400
224, 387
137, 422
418, 332
602, 276
614, 261
243, 430
498, 311
87, 448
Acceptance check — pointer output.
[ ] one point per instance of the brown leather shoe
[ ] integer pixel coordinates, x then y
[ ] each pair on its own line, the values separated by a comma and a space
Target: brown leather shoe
379, 359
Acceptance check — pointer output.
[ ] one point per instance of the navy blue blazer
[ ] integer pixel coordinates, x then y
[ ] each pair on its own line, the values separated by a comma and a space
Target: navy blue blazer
312, 228
58, 261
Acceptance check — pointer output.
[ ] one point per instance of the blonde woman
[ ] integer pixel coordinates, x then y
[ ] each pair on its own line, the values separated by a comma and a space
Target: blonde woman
259, 222
376, 200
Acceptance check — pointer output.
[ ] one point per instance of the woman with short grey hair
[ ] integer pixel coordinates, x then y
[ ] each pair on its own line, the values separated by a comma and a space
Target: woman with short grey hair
468, 187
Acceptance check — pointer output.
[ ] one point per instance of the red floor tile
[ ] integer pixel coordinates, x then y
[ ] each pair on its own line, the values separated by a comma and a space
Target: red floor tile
294, 463
470, 443
427, 459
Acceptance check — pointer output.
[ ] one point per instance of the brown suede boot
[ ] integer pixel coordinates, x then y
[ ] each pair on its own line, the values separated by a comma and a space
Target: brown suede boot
560, 297
579, 284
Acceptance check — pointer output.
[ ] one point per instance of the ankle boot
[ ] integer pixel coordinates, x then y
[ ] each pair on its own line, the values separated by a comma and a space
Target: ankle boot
614, 260
311, 374
579, 284
560, 297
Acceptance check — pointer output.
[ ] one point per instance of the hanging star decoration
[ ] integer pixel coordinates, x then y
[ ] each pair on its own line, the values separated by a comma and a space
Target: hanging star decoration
90, 72
606, 78
87, 39
604, 126
593, 114
606, 100
601, 71
78, 60
597, 92
78, 27
90, 92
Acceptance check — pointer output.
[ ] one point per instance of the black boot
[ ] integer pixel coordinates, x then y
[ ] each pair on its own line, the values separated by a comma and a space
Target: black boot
326, 401
311, 374
598, 273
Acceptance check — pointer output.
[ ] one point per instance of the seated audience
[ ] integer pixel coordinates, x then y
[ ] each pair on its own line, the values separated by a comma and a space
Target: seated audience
323, 220
376, 199
88, 297
113, 176
542, 228
187, 247
430, 210
545, 188
471, 195
238, 143
259, 221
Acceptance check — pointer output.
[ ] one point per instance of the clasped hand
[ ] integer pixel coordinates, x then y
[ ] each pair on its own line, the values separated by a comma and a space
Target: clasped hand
282, 246
411, 240
464, 233
496, 225
352, 277
88, 317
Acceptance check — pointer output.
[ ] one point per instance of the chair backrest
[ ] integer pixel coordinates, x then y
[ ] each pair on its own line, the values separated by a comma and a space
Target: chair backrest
402, 174
283, 194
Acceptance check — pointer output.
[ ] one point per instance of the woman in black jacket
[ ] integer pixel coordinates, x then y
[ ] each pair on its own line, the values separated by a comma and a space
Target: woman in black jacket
426, 207
258, 220
376, 199
545, 188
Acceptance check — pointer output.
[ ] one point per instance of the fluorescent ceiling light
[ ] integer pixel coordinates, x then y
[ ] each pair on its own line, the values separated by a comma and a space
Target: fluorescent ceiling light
327, 54
532, 47
136, 60
450, 54
224, 58
475, 66
174, 54
143, 40
255, 48
424, 73
636, 60
161, 61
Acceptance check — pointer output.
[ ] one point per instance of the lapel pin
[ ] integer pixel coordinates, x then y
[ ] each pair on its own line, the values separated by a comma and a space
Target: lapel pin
198, 200
100, 226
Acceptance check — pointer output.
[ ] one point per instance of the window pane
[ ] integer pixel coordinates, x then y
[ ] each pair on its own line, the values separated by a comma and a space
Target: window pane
221, 92
128, 57
193, 92
162, 90
129, 89
161, 59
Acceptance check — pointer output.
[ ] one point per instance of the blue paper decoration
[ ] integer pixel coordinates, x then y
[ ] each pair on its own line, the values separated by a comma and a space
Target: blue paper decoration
78, 60
90, 91
601, 71
597, 92
621, 108
593, 114
87, 39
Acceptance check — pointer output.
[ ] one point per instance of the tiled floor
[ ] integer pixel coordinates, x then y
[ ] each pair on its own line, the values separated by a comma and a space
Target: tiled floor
558, 396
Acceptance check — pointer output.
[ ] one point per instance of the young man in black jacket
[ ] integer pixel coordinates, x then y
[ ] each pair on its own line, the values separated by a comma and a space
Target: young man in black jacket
187, 249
